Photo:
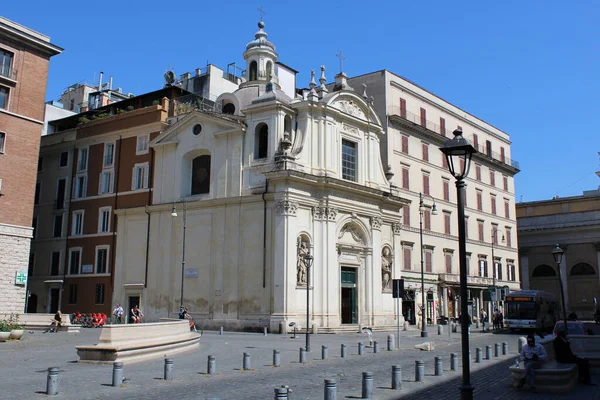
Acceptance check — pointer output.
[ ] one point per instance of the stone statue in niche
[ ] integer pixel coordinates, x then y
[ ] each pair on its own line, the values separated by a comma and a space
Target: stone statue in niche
386, 269
301, 265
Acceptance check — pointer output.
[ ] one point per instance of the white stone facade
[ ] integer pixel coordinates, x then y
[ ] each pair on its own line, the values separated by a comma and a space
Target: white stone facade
15, 242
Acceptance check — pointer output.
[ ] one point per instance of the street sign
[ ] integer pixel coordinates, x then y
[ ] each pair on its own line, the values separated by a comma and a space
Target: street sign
398, 288
493, 296
21, 278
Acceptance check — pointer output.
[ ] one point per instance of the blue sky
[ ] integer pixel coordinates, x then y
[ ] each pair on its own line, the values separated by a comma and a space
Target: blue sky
529, 68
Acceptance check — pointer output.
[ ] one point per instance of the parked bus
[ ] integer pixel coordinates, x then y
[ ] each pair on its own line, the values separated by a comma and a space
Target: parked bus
530, 309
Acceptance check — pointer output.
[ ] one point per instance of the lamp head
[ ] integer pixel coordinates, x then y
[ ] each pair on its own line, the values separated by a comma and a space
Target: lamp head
557, 253
458, 152
173, 211
503, 239
434, 209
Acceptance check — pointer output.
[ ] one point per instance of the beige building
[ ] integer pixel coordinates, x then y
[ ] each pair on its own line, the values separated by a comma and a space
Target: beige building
574, 224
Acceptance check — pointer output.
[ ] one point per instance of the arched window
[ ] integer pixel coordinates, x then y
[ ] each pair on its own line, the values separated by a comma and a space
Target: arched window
253, 71
228, 108
261, 141
201, 174
582, 269
269, 71
543, 271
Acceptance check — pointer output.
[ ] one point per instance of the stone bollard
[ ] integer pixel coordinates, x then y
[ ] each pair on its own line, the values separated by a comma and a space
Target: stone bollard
265, 331
453, 361
168, 372
302, 355
396, 377
276, 358
439, 366
470, 358
211, 367
52, 381
390, 343
361, 349
281, 393
522, 342
496, 349
375, 347
282, 328
343, 350
324, 352
478, 355
477, 324
504, 348
454, 327
247, 362
419, 371
330, 389
117, 378
488, 352
367, 385
405, 327
440, 329
221, 331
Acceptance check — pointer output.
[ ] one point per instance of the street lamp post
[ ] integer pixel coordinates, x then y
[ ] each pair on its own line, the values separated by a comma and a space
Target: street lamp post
309, 259
174, 214
421, 212
494, 300
458, 154
557, 253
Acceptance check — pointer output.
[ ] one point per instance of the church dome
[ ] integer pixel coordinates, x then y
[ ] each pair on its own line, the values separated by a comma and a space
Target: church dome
260, 39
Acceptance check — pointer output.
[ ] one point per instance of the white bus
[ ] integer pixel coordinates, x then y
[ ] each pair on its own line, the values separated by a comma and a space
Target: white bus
530, 309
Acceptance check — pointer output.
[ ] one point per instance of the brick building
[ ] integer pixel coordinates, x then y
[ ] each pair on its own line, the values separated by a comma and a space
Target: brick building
24, 59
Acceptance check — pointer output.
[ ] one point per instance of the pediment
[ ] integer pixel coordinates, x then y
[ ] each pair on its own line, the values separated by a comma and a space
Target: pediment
351, 104
349, 107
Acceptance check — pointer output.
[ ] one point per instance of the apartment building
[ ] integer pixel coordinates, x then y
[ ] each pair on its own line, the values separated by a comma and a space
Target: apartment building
24, 58
417, 123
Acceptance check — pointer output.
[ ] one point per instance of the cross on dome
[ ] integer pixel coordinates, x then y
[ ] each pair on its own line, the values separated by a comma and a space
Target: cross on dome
340, 55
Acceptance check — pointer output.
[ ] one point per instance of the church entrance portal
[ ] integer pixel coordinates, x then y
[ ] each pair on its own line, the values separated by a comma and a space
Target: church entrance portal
349, 300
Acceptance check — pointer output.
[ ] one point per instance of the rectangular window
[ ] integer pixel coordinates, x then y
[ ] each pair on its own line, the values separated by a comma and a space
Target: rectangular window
405, 215
402, 107
508, 238
6, 67
80, 186
72, 294
423, 117
99, 298
468, 264
61, 186
498, 270
448, 258
34, 223
63, 160
77, 228
82, 160
446, 187
447, 224
502, 155
492, 178
74, 261
427, 219
140, 177
488, 148
405, 178
480, 230
142, 144
4, 91
348, 160
2, 142
466, 226
404, 144
54, 263
494, 233
106, 182
58, 221
104, 219
506, 209
493, 204
444, 162
428, 261
475, 141
407, 258
511, 272
483, 270
109, 155
101, 260
505, 182
36, 199
478, 172
425, 149
426, 184
442, 126
479, 201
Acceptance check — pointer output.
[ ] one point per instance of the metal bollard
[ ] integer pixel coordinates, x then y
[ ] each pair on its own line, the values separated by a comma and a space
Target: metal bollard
504, 348
52, 381
390, 342
439, 366
221, 331
361, 349
324, 352
168, 373
396, 377
330, 389
276, 358
302, 355
211, 368
247, 362
453, 361
496, 349
375, 347
419, 371
117, 378
343, 350
440, 329
281, 393
367, 385
265, 331
522, 341
488, 352
478, 355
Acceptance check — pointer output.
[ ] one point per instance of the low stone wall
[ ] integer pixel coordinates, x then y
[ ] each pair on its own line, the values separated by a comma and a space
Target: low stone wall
137, 342
587, 346
38, 322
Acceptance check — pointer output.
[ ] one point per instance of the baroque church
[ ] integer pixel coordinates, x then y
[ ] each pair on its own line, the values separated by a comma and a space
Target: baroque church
240, 197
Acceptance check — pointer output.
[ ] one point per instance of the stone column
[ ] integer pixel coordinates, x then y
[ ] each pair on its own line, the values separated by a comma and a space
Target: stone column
564, 277
331, 267
375, 269
597, 247
444, 290
396, 268
523, 268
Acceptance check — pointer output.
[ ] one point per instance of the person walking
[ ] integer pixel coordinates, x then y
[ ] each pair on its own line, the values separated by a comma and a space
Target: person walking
534, 356
118, 313
484, 318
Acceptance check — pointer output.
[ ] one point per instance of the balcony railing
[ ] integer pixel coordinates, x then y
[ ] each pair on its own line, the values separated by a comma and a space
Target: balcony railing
8, 72
432, 126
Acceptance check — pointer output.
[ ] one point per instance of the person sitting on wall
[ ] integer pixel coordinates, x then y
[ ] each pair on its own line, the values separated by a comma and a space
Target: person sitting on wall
136, 314
56, 322
564, 354
534, 356
572, 316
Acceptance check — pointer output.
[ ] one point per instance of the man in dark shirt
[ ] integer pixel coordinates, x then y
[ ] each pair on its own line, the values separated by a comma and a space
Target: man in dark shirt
564, 354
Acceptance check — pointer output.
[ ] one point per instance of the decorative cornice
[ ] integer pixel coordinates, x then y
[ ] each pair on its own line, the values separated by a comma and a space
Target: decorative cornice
396, 228
285, 207
321, 213
376, 222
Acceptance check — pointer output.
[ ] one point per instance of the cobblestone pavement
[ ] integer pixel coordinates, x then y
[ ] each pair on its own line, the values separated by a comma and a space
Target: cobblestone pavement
24, 364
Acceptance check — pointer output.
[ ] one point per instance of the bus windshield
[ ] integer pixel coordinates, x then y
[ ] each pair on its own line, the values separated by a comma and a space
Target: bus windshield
520, 310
